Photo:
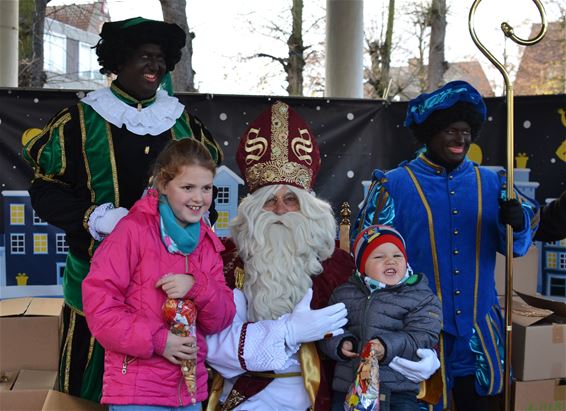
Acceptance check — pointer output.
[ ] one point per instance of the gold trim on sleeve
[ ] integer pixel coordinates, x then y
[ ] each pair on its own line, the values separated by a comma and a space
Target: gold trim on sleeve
478, 241
85, 158
67, 351
87, 216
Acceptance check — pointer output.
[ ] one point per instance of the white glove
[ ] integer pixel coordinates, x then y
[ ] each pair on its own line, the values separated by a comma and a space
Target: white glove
103, 219
306, 325
417, 371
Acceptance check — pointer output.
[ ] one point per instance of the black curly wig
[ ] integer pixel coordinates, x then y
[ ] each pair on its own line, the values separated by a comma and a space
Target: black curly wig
440, 119
117, 45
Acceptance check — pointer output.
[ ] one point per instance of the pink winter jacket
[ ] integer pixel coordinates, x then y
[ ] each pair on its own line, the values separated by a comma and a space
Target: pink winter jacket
123, 308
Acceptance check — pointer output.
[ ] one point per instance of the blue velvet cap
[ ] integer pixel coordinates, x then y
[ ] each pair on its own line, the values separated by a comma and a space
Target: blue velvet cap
421, 107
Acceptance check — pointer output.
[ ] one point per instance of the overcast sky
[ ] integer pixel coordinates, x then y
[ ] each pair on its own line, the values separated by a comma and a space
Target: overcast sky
223, 39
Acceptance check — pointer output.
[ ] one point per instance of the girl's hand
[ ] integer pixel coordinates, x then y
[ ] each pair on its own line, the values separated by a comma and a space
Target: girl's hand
380, 348
176, 285
347, 349
179, 348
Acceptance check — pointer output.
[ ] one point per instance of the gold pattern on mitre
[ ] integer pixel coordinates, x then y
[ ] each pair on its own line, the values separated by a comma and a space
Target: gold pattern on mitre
256, 146
279, 169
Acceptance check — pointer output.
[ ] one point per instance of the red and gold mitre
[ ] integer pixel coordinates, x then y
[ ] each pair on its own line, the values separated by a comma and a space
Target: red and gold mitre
278, 148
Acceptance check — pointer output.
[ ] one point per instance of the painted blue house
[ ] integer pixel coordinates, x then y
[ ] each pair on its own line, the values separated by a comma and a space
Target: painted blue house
552, 269
2, 262
228, 184
34, 251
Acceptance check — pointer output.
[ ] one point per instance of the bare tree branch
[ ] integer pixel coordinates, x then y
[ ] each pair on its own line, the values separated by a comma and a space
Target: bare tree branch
174, 11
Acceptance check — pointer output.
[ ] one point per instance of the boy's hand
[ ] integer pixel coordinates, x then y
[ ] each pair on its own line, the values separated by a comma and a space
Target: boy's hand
179, 348
380, 348
347, 349
176, 285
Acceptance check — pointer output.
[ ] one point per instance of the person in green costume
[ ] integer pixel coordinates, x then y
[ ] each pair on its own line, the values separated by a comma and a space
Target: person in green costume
92, 161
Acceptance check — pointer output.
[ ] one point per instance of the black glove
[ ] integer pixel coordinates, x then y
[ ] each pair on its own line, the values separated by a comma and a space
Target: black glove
511, 212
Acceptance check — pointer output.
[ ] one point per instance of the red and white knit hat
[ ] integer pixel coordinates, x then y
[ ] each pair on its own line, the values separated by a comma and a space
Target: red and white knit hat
372, 237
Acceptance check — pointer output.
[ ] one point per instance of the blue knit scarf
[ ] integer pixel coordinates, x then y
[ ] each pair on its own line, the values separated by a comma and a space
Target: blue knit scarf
176, 239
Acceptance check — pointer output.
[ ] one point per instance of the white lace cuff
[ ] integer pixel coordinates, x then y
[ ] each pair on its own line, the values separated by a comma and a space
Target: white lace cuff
265, 348
94, 216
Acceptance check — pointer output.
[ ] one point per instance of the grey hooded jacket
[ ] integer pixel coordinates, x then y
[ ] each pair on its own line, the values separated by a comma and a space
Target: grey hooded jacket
403, 317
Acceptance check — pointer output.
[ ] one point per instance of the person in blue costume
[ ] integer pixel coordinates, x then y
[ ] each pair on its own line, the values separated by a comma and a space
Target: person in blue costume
92, 163
456, 211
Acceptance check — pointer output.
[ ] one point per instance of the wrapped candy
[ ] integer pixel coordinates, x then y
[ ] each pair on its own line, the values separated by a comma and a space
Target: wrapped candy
182, 315
363, 394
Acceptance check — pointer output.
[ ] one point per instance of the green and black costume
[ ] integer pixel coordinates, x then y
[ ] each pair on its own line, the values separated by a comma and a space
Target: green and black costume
98, 151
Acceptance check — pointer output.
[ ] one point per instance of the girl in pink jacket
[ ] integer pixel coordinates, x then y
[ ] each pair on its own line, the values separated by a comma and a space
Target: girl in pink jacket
161, 249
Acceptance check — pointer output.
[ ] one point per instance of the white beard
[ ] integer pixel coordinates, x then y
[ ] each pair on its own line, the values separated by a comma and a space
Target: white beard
281, 253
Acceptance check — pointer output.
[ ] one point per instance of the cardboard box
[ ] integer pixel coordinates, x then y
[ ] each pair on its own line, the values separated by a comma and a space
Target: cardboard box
7, 379
28, 391
26, 400
542, 395
539, 338
45, 400
35, 380
57, 401
29, 333
29, 351
29, 357
525, 272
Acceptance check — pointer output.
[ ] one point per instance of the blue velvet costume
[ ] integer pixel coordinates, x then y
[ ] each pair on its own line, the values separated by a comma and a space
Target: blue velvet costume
450, 221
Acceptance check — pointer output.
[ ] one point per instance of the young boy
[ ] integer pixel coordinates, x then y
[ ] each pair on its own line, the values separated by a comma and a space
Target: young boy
387, 304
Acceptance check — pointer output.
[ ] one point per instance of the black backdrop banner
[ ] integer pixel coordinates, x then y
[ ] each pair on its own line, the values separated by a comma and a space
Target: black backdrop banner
355, 136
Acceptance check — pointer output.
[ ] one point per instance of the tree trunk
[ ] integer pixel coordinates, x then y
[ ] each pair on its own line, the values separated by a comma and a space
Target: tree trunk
296, 62
25, 38
436, 63
38, 76
386, 49
174, 11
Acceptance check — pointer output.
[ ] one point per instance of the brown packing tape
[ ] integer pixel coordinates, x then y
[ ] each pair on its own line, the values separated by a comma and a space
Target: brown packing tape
557, 334
560, 392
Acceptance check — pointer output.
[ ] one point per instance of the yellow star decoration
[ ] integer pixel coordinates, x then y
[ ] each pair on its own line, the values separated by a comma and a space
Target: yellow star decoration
561, 151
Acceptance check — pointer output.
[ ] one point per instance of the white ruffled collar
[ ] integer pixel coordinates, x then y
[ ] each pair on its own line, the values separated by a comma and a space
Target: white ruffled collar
154, 119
